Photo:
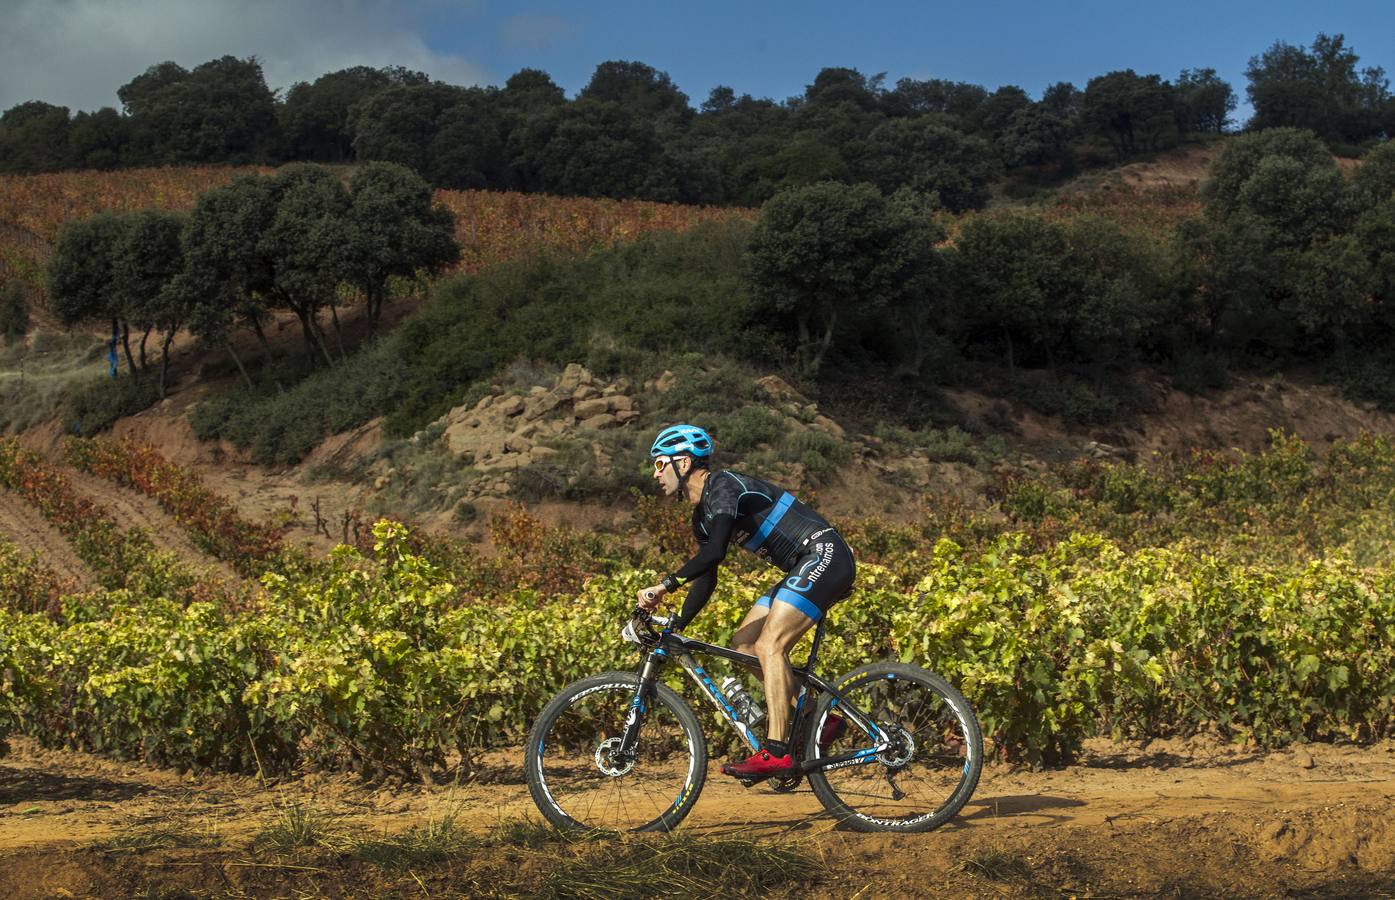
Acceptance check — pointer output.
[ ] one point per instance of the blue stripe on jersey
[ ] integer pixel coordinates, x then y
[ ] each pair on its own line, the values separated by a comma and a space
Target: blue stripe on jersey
785, 595
777, 512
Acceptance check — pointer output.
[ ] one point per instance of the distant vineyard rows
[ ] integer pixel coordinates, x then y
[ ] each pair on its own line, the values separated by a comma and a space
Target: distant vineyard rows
491, 226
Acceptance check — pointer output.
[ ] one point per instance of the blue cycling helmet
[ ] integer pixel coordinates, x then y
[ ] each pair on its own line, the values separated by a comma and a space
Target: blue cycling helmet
679, 440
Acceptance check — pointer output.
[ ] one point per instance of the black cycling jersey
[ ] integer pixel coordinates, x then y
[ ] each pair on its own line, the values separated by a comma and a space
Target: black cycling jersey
769, 522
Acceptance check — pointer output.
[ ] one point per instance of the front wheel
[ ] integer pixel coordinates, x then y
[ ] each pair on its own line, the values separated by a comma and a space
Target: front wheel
577, 776
932, 762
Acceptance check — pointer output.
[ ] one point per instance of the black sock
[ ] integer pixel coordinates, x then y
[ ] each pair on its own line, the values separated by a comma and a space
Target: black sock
776, 748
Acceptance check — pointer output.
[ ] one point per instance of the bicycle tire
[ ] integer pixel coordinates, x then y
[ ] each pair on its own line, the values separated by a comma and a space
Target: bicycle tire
564, 758
953, 731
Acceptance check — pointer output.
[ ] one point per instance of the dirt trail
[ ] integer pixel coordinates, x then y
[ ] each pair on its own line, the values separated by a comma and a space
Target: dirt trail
25, 527
1170, 818
132, 509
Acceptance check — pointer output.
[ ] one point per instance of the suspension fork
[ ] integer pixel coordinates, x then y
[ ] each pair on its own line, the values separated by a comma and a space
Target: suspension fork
639, 703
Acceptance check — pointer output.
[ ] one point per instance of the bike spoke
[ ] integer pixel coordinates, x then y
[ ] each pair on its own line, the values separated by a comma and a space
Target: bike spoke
915, 717
592, 784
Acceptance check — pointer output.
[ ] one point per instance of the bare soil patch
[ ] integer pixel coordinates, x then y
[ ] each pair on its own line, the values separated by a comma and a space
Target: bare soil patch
1167, 818
25, 528
132, 509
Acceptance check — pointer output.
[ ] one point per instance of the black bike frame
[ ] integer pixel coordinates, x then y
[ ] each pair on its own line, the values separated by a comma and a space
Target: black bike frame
675, 646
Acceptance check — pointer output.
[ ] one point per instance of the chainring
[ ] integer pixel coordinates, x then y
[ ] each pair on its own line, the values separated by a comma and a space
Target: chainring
785, 785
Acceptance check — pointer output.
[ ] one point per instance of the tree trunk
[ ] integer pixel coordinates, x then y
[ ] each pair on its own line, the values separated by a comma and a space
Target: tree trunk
917, 360
144, 366
320, 339
247, 379
802, 353
375, 309
338, 335
165, 360
261, 336
307, 332
821, 347
313, 337
126, 343
112, 358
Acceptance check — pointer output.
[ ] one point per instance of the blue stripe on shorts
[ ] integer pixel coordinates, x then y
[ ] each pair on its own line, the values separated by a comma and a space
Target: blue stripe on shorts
785, 595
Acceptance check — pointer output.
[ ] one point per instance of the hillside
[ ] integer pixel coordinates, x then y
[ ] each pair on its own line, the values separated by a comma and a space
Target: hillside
572, 458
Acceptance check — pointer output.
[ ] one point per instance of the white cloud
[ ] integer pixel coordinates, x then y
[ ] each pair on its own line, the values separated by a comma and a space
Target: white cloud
76, 53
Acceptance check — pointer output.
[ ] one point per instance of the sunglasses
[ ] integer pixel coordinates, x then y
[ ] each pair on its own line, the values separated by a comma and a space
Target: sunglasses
661, 463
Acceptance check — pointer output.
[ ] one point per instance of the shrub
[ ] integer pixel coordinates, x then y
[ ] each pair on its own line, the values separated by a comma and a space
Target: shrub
748, 428
680, 292
1244, 595
14, 313
820, 453
96, 407
1194, 372
27, 585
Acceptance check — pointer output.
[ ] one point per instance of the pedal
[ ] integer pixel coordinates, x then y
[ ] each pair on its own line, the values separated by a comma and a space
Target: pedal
749, 782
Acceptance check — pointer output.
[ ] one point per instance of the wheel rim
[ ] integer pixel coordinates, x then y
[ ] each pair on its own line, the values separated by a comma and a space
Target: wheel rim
584, 777
929, 756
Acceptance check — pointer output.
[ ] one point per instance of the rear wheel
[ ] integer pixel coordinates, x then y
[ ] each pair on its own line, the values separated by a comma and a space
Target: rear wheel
577, 776
928, 771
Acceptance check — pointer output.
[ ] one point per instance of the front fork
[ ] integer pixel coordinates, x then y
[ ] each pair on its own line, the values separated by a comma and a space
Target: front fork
639, 704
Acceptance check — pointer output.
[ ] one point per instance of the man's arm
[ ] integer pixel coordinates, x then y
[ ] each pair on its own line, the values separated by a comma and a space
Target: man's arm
703, 565
699, 590
708, 557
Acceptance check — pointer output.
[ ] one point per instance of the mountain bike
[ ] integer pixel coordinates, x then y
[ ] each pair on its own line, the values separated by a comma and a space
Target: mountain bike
888, 747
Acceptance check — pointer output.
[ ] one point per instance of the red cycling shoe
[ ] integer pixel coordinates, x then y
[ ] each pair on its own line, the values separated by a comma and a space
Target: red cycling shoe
761, 765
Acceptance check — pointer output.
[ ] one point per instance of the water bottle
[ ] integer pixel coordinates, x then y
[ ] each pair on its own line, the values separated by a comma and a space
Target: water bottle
746, 709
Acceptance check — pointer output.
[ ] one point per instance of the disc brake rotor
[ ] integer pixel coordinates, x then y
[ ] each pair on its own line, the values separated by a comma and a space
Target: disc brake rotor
609, 761
900, 751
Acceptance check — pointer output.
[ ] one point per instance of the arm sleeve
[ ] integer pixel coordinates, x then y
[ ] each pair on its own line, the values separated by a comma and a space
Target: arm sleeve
710, 554
698, 593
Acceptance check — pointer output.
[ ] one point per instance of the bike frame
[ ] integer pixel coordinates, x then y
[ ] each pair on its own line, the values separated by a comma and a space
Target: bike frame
674, 646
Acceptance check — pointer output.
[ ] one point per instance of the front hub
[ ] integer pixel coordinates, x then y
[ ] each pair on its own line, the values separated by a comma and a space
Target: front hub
610, 761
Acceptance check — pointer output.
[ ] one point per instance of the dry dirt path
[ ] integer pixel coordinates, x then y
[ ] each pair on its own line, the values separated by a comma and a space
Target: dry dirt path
1167, 819
25, 527
132, 509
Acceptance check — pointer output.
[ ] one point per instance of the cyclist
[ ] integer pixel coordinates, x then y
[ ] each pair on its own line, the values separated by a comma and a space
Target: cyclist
769, 521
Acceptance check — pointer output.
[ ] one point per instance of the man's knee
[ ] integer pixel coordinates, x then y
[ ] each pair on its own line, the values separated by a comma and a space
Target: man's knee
768, 647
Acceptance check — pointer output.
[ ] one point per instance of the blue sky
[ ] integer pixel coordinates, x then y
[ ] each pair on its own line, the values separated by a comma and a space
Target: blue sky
76, 52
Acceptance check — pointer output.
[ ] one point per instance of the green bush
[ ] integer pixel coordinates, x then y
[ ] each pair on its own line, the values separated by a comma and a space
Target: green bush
681, 293
14, 313
820, 453
952, 444
96, 407
1195, 372
747, 428
1076, 401
1243, 595
364, 663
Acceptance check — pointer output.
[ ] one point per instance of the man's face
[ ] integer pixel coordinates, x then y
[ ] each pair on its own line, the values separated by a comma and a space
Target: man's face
666, 472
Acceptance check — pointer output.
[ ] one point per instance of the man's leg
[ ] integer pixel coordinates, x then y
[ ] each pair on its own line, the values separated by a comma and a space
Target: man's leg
780, 631
744, 639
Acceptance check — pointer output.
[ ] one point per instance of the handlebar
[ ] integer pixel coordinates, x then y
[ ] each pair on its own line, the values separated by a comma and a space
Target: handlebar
640, 628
